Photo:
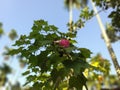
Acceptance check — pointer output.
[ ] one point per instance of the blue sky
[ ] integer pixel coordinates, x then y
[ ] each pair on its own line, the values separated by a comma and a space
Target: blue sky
20, 14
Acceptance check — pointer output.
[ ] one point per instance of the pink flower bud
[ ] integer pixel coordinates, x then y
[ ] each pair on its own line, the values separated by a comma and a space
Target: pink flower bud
64, 43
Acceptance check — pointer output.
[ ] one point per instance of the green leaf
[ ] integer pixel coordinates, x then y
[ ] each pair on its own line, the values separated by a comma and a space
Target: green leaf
82, 80
33, 61
40, 22
70, 49
78, 81
36, 28
13, 34
22, 41
74, 82
52, 27
46, 28
26, 73
85, 52
77, 65
31, 78
35, 70
71, 35
1, 31
52, 36
73, 41
37, 86
34, 34
15, 51
112, 14
43, 77
32, 48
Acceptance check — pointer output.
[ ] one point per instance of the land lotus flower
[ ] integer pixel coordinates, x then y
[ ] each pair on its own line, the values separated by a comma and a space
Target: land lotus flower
64, 43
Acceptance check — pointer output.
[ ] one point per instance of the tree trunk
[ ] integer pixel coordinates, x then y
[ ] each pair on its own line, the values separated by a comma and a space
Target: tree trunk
70, 14
108, 43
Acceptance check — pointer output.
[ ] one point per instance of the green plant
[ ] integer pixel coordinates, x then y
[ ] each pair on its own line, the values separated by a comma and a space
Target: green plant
50, 65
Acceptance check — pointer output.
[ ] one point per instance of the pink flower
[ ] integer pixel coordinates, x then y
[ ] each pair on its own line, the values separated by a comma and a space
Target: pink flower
64, 43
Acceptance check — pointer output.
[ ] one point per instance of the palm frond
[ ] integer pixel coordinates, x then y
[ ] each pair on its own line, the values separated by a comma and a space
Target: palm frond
76, 3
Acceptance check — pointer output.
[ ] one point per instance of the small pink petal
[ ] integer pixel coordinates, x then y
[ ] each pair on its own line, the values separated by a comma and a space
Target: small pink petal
64, 43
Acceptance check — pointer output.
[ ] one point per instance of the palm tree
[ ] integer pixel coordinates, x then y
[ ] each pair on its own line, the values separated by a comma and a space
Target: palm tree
1, 29
81, 3
73, 3
108, 43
